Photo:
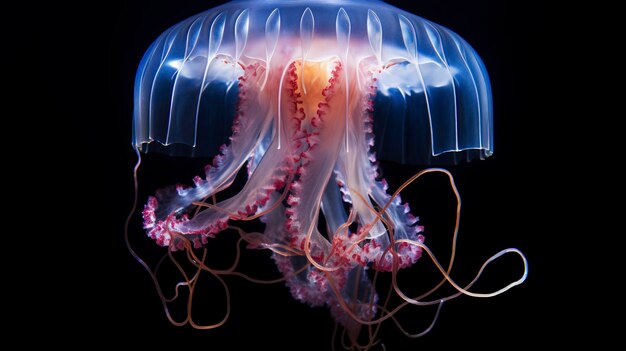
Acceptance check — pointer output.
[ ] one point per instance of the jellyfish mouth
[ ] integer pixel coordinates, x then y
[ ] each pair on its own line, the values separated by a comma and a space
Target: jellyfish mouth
313, 78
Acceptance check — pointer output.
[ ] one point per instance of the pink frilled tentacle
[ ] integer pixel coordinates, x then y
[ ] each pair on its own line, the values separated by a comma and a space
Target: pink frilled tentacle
316, 143
356, 174
165, 213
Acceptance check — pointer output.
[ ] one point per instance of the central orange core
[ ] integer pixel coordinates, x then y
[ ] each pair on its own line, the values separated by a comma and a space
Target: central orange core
312, 79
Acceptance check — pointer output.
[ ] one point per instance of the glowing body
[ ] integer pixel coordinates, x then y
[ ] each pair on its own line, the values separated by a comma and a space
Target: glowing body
298, 84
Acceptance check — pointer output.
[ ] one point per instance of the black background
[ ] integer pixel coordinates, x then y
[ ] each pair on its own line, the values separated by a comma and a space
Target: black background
99, 291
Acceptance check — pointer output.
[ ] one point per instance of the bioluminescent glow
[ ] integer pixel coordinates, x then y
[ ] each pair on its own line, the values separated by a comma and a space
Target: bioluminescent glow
308, 95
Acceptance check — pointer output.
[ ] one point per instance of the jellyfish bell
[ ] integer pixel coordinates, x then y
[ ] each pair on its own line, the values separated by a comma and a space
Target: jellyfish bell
421, 59
308, 95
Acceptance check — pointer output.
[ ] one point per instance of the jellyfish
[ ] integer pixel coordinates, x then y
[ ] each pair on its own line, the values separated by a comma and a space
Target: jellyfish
305, 97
